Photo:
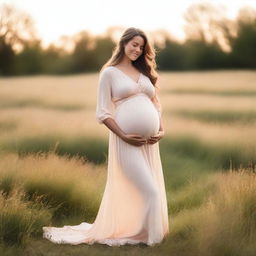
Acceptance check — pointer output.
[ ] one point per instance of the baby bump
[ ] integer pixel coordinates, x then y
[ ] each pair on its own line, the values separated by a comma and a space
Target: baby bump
138, 115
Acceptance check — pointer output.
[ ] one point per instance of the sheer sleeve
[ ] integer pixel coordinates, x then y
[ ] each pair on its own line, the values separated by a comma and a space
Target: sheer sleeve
105, 107
157, 104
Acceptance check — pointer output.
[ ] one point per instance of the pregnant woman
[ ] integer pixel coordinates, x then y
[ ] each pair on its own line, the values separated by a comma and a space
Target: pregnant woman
133, 209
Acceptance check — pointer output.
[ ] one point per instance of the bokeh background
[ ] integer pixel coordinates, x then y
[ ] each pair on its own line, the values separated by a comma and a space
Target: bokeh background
53, 153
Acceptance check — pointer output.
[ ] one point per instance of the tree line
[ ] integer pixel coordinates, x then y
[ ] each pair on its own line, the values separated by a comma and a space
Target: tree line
212, 42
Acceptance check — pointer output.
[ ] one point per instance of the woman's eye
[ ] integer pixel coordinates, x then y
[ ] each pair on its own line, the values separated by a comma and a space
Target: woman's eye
136, 45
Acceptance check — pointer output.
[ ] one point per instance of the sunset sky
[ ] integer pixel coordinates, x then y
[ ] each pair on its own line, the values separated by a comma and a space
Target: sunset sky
65, 17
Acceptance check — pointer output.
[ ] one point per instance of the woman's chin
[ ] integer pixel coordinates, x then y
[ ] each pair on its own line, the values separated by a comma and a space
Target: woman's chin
133, 58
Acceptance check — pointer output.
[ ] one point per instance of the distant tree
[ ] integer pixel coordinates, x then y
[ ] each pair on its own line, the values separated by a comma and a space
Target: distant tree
244, 44
172, 56
16, 28
201, 20
30, 59
206, 46
104, 46
82, 56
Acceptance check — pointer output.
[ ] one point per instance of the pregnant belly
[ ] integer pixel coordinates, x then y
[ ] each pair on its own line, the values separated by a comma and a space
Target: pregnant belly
138, 115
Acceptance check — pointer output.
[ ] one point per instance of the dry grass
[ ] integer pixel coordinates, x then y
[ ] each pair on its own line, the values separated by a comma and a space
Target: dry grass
210, 216
80, 90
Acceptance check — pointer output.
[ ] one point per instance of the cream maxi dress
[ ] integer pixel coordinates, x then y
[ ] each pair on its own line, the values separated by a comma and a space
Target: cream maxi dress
134, 207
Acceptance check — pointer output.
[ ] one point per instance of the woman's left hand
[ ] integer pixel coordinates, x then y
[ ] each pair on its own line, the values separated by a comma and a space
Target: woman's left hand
155, 138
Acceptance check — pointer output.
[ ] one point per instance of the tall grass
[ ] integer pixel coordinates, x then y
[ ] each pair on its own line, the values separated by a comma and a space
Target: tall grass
53, 170
225, 224
214, 215
91, 149
69, 188
20, 219
183, 157
228, 220
188, 158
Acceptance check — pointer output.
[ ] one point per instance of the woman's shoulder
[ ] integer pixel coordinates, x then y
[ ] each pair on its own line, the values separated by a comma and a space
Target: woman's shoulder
107, 70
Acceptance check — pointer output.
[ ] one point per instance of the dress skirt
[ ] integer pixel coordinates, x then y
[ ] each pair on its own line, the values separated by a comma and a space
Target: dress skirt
133, 208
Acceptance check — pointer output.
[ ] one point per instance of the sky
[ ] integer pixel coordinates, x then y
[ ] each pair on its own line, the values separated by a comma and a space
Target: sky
64, 17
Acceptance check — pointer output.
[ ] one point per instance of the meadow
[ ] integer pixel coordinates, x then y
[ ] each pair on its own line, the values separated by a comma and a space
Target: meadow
53, 157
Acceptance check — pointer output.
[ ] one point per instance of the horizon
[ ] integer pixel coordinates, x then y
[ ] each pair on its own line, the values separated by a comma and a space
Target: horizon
171, 19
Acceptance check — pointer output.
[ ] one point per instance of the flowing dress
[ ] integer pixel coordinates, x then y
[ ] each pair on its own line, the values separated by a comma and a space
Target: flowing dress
134, 206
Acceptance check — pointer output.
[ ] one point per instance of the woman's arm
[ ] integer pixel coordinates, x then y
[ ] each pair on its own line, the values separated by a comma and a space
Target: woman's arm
104, 110
132, 139
112, 125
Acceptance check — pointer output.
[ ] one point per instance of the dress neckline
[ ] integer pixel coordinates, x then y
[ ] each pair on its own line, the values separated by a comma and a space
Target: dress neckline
129, 76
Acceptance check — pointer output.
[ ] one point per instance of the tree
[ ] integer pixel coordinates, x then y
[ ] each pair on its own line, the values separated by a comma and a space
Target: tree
16, 28
203, 24
243, 45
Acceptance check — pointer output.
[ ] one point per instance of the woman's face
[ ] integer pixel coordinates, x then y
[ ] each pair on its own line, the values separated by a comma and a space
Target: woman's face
134, 48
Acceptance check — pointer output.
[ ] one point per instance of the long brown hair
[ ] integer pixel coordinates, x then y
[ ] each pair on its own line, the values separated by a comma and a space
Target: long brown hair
146, 63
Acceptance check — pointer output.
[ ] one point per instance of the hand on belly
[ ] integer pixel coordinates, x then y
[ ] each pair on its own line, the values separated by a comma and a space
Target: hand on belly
138, 116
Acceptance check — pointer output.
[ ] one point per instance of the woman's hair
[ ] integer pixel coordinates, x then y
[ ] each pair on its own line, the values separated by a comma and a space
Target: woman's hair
145, 63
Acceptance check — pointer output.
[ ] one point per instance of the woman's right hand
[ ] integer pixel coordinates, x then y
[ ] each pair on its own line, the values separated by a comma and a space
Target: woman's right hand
134, 139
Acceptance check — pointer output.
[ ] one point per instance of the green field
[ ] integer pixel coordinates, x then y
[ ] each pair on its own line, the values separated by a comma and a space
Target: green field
53, 163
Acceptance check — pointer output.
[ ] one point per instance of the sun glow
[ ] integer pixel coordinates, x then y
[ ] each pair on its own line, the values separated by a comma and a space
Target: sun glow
54, 19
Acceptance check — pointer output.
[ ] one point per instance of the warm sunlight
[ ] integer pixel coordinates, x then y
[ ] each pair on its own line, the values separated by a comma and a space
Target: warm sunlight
56, 18
127, 127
